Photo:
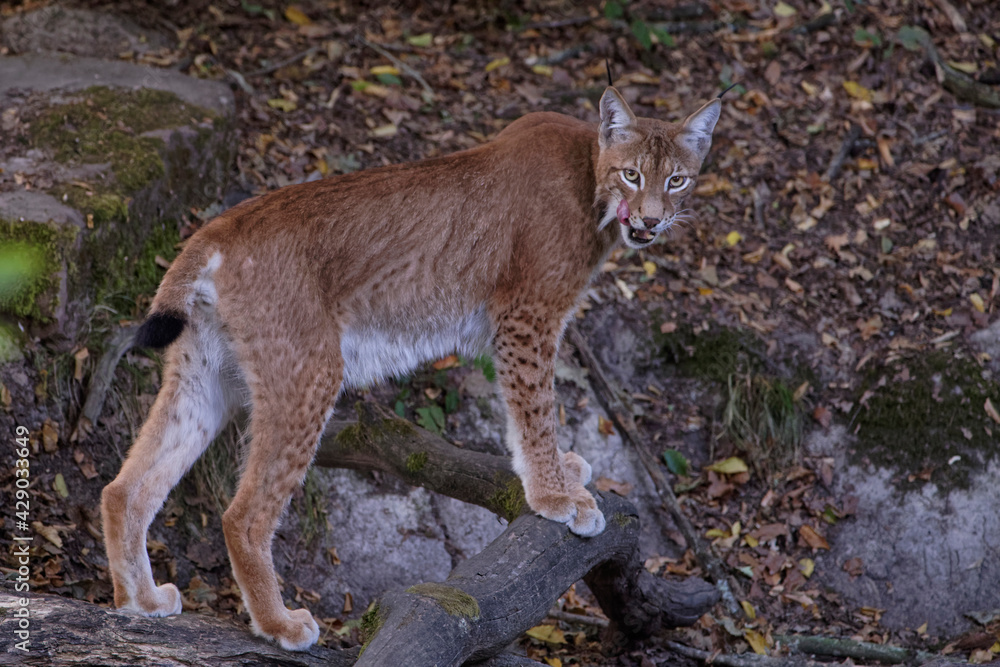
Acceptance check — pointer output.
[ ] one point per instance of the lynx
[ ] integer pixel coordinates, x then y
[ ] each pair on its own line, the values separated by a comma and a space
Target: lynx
286, 298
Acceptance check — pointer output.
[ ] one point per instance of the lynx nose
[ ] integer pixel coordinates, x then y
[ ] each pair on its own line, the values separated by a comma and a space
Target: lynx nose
650, 222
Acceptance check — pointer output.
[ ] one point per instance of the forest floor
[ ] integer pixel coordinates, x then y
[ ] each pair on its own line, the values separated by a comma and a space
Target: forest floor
845, 224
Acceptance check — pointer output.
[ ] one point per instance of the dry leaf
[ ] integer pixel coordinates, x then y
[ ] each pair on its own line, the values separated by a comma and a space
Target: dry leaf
79, 357
451, 361
756, 641
547, 633
497, 62
348, 602
606, 484
812, 538
991, 411
857, 91
731, 466
296, 15
605, 426
50, 436
48, 532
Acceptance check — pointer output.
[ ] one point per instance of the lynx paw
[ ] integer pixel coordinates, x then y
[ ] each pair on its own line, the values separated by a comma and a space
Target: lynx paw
577, 509
576, 468
297, 631
165, 601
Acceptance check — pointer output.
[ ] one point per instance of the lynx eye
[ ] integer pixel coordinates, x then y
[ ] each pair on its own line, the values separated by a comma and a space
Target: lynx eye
631, 175
677, 182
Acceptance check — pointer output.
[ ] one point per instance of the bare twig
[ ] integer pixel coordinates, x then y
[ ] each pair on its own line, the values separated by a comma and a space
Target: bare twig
609, 397
560, 615
837, 163
403, 67
286, 62
100, 381
734, 660
835, 647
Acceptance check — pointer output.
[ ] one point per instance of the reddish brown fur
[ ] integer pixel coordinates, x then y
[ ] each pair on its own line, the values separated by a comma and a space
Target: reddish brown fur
502, 238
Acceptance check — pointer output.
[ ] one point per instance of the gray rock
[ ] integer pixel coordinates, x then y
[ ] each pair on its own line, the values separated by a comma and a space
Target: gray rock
928, 555
56, 29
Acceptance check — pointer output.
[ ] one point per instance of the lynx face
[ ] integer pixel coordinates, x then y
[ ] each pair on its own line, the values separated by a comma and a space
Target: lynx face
647, 167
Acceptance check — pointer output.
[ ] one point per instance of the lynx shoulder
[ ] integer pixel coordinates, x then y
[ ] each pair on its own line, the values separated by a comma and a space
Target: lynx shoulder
285, 299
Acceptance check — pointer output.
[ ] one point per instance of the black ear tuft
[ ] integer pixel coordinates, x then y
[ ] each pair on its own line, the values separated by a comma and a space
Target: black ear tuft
607, 64
159, 330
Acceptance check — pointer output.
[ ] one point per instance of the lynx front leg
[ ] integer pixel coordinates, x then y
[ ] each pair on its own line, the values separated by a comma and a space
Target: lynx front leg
524, 355
189, 411
291, 405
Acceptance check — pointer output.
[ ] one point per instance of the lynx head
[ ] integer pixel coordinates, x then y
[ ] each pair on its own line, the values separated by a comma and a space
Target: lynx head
647, 167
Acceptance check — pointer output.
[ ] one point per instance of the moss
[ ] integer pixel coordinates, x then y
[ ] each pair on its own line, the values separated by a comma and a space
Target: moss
759, 414
508, 501
371, 622
453, 600
31, 259
928, 418
415, 462
106, 126
622, 520
399, 428
351, 437
120, 276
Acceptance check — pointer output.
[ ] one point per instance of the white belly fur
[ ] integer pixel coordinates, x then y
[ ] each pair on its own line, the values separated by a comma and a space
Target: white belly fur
373, 353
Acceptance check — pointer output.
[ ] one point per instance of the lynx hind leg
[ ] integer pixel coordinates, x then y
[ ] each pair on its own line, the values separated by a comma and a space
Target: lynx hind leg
291, 405
191, 408
524, 356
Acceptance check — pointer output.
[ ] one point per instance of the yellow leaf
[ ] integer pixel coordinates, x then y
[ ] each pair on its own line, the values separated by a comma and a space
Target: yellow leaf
756, 641
966, 67
553, 662
59, 484
735, 529
731, 466
296, 15
713, 533
423, 40
784, 10
48, 532
857, 91
605, 426
283, 104
806, 567
748, 610
733, 237
499, 62
943, 313
750, 540
542, 70
977, 302
547, 633
383, 131
922, 630
812, 538
649, 268
384, 69
705, 291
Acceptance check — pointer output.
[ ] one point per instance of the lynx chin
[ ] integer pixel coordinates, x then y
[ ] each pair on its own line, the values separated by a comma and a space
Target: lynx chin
286, 298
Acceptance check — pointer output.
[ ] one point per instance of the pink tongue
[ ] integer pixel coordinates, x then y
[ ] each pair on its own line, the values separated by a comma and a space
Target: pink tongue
624, 212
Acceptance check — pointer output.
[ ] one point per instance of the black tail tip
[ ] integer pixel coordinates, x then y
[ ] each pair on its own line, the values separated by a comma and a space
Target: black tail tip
159, 330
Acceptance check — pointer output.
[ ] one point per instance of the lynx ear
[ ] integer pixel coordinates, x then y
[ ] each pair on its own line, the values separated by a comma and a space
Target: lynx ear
617, 120
696, 133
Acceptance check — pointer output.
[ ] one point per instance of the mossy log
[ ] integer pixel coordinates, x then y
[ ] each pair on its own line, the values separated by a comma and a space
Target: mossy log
490, 599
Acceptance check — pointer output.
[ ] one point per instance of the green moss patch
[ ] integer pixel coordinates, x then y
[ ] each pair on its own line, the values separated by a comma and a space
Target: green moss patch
453, 600
31, 258
119, 276
760, 414
925, 417
106, 126
508, 501
415, 462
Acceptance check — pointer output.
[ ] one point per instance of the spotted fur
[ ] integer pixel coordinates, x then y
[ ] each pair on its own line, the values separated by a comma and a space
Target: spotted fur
281, 301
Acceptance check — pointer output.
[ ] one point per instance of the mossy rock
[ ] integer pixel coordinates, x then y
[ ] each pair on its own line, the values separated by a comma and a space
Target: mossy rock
925, 418
151, 156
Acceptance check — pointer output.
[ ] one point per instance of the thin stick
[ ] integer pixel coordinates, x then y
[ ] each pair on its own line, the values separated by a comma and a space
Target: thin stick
284, 63
403, 67
560, 615
101, 380
732, 660
607, 393
845, 148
